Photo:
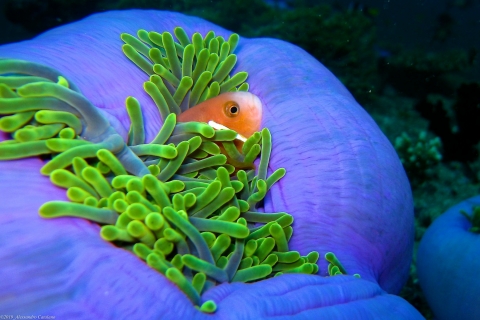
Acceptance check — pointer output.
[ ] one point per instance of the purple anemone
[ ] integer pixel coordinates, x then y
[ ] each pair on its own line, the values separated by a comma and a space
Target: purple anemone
344, 186
448, 263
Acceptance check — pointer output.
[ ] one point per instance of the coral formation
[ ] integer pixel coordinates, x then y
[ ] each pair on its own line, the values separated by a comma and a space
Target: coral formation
418, 156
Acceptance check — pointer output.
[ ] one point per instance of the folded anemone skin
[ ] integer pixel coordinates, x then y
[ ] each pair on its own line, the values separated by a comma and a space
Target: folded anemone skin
344, 186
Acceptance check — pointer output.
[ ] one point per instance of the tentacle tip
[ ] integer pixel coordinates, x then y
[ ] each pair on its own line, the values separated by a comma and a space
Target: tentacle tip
208, 306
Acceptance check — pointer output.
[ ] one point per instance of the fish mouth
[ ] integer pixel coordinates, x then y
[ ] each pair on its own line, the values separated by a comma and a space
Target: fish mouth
218, 126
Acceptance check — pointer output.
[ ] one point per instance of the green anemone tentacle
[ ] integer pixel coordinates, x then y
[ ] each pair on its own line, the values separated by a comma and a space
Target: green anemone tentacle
474, 219
192, 70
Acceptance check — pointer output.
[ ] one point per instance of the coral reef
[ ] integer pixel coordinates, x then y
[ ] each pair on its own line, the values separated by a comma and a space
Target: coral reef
418, 156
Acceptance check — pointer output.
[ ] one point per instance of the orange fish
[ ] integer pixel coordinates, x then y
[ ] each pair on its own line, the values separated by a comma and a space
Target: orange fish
239, 111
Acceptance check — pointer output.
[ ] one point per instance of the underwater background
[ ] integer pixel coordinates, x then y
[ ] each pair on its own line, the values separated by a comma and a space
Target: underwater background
413, 66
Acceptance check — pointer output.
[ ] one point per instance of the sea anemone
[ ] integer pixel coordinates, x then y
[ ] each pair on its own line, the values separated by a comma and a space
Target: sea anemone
447, 262
344, 186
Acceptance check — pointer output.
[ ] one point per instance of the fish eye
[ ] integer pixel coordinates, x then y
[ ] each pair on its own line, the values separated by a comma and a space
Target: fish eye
232, 109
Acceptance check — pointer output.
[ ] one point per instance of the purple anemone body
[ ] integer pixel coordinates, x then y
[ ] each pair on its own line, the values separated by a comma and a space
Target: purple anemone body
344, 186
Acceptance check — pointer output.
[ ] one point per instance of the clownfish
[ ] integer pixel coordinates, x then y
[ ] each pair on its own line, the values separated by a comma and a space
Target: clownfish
239, 111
